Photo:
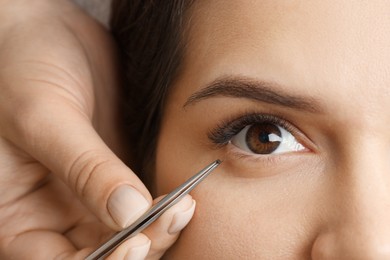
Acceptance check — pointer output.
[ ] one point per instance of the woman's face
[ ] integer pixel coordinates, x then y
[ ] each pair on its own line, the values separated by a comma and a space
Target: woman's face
294, 97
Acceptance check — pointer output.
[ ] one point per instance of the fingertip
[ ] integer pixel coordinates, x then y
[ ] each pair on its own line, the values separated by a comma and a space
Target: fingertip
166, 230
139, 252
133, 249
181, 219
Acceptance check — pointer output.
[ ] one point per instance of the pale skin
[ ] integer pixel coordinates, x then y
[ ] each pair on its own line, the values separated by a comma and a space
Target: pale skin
330, 200
63, 186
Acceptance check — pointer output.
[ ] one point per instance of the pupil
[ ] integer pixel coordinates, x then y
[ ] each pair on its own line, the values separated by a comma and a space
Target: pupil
257, 138
264, 137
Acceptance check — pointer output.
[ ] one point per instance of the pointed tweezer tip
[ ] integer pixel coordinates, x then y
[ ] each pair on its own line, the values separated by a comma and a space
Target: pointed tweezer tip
218, 161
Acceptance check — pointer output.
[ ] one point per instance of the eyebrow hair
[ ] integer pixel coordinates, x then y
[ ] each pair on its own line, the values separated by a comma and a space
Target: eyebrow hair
262, 91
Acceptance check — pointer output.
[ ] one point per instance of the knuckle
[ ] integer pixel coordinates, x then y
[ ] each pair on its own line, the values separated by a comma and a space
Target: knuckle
84, 171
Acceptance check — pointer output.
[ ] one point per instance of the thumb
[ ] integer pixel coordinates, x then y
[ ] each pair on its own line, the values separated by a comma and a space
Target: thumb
63, 139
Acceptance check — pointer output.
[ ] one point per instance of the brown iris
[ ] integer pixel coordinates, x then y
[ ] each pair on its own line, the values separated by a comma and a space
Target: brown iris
257, 138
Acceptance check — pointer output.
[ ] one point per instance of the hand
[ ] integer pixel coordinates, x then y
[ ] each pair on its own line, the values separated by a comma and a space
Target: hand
63, 190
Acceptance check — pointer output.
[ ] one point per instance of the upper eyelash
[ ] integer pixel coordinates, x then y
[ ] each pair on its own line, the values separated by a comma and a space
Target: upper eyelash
225, 131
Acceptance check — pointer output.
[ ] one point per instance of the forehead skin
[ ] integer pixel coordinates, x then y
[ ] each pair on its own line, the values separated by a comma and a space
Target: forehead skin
309, 46
336, 51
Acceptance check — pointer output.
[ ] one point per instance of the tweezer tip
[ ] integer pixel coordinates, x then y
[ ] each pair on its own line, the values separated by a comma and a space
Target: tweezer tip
218, 161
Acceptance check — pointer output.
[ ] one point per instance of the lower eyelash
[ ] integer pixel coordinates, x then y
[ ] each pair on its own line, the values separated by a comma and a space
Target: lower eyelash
233, 153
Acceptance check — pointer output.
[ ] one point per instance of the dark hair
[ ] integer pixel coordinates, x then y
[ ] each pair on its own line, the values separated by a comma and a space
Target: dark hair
149, 35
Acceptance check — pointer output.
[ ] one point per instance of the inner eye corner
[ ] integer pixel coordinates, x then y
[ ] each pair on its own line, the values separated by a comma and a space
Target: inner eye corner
306, 142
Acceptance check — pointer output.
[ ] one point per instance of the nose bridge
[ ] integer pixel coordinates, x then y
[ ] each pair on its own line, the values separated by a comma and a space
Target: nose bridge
359, 226
364, 170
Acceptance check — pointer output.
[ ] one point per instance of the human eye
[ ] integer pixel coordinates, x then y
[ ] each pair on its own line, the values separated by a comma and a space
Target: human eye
258, 134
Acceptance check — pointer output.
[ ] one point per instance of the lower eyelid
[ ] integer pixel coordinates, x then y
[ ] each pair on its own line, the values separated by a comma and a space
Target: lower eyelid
235, 153
245, 165
232, 152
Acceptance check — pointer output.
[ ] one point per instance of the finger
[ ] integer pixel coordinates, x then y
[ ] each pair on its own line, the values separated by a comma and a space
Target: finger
165, 231
63, 139
136, 248
46, 245
88, 235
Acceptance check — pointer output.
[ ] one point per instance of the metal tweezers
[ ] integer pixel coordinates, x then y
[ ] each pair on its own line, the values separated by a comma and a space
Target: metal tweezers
151, 215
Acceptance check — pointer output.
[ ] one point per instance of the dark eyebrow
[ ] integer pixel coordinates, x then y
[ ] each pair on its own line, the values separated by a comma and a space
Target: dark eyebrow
262, 91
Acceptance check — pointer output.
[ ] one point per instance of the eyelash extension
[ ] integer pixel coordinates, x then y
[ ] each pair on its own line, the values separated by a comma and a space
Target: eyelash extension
224, 132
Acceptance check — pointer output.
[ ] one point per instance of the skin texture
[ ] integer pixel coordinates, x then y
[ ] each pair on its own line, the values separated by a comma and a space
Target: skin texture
328, 201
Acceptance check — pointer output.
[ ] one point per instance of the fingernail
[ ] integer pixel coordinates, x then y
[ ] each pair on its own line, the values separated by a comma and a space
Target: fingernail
126, 204
139, 252
181, 219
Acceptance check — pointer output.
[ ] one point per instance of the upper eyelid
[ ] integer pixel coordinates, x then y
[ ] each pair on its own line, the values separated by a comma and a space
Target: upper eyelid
220, 135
